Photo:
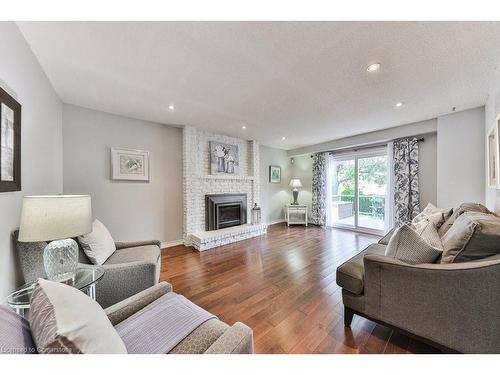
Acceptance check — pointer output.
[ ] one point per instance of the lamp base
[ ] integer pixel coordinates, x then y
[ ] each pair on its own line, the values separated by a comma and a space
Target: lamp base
295, 196
60, 259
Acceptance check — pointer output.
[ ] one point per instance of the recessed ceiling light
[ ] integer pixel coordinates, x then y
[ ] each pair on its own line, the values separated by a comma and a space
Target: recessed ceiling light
243, 127
373, 67
283, 138
171, 107
399, 104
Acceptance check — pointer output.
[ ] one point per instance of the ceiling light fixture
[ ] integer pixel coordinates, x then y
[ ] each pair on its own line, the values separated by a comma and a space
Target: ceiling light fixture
373, 67
171, 107
283, 138
243, 127
399, 104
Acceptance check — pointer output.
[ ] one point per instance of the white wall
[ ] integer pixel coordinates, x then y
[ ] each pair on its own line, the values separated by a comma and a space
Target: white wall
131, 210
273, 197
460, 158
41, 140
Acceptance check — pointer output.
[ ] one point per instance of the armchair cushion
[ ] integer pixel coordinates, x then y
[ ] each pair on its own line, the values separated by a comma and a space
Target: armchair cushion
65, 320
15, 333
350, 275
161, 325
473, 236
98, 245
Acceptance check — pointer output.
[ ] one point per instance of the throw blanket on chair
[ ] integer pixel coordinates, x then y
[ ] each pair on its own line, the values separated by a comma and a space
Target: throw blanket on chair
160, 326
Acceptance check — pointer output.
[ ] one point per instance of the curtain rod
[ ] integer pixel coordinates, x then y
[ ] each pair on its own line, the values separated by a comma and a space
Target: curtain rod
374, 145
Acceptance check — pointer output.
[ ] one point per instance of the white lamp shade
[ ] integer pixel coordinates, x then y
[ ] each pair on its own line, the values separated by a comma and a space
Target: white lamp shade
55, 217
295, 183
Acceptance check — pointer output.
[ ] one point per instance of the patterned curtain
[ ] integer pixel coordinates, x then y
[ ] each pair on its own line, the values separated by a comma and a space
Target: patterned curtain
406, 195
318, 210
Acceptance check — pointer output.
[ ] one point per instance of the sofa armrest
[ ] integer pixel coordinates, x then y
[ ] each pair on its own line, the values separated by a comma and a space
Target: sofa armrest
126, 308
123, 245
238, 339
455, 305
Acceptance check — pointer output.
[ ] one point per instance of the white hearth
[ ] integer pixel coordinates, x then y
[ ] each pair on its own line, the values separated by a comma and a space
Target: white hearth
198, 182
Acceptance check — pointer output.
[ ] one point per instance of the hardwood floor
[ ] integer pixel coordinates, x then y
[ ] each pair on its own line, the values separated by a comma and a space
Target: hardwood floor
283, 286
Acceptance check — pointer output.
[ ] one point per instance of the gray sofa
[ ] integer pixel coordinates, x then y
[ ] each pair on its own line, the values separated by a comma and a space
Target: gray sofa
211, 337
133, 267
454, 306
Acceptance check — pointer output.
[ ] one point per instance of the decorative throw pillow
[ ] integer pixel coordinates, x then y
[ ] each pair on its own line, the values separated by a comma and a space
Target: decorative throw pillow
436, 215
464, 207
97, 245
65, 320
408, 246
473, 236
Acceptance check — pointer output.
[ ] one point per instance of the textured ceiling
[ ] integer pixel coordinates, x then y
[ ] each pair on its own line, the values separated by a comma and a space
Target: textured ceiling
305, 81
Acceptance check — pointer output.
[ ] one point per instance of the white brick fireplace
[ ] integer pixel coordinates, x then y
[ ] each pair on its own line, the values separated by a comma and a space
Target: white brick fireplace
198, 182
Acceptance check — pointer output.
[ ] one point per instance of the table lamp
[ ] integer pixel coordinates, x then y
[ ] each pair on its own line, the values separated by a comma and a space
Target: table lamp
56, 218
295, 184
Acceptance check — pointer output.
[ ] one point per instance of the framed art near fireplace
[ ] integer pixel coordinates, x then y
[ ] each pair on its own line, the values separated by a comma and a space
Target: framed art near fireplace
10, 143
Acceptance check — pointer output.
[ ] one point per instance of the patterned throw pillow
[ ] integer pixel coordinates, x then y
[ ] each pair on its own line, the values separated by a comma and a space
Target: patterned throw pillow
436, 215
65, 320
415, 246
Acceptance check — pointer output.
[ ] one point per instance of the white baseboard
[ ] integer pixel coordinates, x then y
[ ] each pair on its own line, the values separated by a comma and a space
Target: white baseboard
276, 222
166, 244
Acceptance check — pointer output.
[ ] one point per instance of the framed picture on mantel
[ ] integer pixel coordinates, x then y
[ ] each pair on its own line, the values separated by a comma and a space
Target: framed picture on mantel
10, 143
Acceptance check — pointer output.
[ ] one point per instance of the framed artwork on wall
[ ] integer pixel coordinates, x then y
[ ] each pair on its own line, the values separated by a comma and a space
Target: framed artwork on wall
275, 174
10, 143
224, 158
131, 165
492, 150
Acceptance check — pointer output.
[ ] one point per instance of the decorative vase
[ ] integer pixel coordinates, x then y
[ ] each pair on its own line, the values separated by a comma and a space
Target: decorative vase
220, 164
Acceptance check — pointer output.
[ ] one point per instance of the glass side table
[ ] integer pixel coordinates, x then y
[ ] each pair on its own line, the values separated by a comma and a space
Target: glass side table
86, 279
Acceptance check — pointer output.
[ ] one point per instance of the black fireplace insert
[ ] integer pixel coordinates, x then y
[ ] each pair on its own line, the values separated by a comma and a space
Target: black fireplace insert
225, 210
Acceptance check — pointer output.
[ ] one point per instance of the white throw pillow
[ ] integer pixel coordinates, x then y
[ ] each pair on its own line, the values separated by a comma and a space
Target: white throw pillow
436, 215
65, 320
419, 246
97, 245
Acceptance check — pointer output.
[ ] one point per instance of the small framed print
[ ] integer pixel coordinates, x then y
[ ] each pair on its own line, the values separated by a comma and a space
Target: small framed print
492, 157
275, 174
131, 165
10, 143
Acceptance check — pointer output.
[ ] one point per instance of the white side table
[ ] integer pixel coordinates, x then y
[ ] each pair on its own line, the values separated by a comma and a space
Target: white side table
296, 214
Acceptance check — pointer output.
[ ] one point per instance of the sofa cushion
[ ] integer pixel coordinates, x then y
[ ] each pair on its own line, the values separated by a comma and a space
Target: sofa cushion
464, 207
350, 275
473, 235
436, 215
98, 245
415, 246
15, 333
201, 338
385, 240
65, 320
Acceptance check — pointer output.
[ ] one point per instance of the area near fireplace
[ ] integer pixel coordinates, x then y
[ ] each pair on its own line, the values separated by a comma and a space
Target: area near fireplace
217, 208
225, 210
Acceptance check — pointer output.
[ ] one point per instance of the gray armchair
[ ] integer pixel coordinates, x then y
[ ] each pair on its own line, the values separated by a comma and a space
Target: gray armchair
211, 337
133, 267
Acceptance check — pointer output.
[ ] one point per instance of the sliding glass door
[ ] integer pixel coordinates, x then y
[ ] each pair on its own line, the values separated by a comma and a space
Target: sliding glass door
358, 189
